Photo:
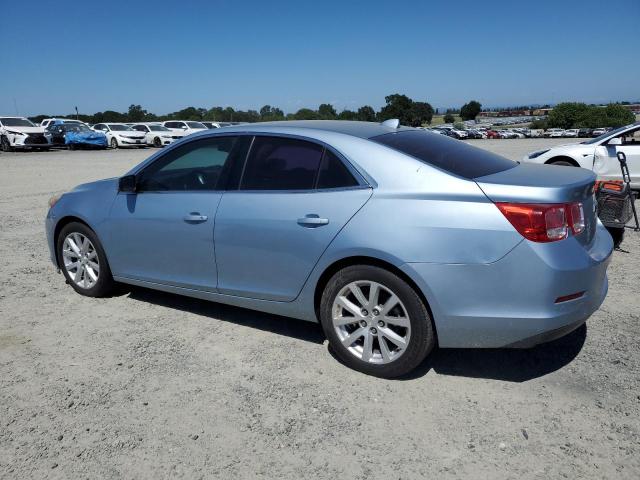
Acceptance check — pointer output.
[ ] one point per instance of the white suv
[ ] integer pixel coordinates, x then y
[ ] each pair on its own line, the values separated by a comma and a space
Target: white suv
20, 132
182, 128
598, 154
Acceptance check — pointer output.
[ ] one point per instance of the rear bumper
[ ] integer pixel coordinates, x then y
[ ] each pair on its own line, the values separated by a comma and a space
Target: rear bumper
511, 302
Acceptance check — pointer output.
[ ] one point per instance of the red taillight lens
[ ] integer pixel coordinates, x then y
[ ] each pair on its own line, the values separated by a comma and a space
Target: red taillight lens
542, 222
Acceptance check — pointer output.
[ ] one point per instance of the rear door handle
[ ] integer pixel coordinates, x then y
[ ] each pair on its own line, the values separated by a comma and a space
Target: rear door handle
312, 221
195, 217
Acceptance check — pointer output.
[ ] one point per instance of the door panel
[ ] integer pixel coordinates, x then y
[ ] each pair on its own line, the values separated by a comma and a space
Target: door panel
165, 237
268, 243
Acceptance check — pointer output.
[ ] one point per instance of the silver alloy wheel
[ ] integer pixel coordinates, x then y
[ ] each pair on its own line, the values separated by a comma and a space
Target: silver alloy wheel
81, 260
371, 322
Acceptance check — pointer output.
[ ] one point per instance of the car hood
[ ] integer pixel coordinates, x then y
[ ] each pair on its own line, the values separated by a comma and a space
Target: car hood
25, 129
106, 184
128, 134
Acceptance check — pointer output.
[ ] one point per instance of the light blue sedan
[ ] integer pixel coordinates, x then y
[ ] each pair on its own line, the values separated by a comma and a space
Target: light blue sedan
394, 239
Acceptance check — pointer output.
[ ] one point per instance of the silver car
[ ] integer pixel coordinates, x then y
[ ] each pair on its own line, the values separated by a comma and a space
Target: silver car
394, 239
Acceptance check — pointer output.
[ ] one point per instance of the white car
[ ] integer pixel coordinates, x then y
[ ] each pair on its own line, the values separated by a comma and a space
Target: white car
120, 135
48, 121
154, 134
184, 127
19, 133
598, 154
598, 131
554, 133
571, 133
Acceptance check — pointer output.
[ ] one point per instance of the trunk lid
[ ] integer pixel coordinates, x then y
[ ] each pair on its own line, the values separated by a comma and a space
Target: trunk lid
531, 183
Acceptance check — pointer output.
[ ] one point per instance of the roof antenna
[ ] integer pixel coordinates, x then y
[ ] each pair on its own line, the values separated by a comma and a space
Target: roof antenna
392, 123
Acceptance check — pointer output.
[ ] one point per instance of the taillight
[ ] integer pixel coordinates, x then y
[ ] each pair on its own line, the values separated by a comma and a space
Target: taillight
576, 217
544, 222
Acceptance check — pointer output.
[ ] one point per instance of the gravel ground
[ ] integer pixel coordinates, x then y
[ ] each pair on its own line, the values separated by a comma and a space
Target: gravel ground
152, 385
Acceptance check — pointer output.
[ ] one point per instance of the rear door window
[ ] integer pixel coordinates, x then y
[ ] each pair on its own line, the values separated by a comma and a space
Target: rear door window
333, 173
453, 156
277, 163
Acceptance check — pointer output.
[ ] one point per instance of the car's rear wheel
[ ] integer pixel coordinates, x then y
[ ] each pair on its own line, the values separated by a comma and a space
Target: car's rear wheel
375, 322
157, 142
114, 143
83, 261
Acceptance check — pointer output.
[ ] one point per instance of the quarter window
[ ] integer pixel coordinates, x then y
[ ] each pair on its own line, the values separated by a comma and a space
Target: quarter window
276, 163
194, 166
333, 173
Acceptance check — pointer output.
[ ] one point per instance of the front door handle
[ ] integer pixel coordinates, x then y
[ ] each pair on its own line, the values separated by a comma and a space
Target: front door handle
195, 217
312, 221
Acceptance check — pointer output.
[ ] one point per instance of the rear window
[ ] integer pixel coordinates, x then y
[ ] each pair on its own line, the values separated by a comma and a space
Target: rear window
445, 153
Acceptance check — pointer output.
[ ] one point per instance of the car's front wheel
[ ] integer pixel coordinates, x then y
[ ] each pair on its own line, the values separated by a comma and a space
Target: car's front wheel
6, 146
83, 261
376, 323
114, 143
157, 142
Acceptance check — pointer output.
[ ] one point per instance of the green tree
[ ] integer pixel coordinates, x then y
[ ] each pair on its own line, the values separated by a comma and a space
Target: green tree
420, 113
448, 118
566, 115
347, 115
306, 114
470, 111
366, 114
327, 112
136, 113
397, 106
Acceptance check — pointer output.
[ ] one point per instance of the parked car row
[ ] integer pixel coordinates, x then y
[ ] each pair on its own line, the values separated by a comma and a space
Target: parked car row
22, 133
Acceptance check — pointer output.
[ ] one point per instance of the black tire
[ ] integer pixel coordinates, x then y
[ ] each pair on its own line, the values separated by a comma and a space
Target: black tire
561, 163
422, 338
104, 285
6, 146
114, 143
157, 142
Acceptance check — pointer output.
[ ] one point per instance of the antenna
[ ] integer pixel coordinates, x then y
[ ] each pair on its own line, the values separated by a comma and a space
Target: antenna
392, 123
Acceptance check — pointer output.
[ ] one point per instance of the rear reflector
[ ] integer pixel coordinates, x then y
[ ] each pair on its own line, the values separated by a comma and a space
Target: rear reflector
544, 222
566, 298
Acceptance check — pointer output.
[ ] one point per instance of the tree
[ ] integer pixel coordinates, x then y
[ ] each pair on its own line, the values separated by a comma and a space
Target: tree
576, 115
327, 112
470, 111
448, 118
136, 113
398, 106
366, 114
420, 113
566, 115
347, 115
306, 114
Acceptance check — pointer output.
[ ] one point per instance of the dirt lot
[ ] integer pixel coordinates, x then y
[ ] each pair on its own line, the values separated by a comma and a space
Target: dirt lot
150, 385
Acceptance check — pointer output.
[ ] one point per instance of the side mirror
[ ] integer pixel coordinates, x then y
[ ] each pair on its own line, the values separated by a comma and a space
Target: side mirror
127, 184
614, 141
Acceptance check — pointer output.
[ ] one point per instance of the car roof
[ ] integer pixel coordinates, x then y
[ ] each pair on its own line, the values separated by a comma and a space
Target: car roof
353, 128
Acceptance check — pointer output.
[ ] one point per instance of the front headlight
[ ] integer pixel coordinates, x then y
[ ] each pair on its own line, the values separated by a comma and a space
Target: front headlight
15, 133
538, 153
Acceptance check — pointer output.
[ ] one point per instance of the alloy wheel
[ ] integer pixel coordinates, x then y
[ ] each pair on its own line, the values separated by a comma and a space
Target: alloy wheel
371, 322
80, 260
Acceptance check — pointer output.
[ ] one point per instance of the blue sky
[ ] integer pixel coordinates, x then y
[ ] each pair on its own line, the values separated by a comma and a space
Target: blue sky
169, 55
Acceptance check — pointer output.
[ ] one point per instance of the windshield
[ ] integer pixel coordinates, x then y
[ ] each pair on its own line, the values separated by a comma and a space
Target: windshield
16, 122
119, 128
158, 128
445, 153
195, 125
78, 128
606, 134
